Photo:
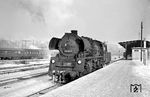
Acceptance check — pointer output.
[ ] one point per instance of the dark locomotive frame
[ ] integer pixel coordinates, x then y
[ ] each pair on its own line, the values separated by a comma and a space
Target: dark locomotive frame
77, 57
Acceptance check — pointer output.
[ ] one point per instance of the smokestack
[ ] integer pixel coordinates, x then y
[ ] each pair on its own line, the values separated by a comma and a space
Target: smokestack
74, 32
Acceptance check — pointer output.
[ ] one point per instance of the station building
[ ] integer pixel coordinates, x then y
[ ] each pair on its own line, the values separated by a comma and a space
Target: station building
134, 48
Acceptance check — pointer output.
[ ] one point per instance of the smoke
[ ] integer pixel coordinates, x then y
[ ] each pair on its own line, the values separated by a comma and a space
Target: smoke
61, 10
35, 10
50, 12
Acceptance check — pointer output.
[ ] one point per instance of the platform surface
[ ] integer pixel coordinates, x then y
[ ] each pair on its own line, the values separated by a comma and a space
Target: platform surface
120, 79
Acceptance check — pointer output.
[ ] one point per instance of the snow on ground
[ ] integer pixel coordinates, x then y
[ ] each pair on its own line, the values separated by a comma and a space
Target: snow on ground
25, 88
11, 65
28, 67
113, 58
111, 81
142, 70
20, 74
5, 65
39, 62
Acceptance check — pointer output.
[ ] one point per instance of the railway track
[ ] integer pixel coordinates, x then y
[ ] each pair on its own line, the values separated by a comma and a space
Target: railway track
27, 60
44, 91
37, 92
26, 65
23, 68
11, 80
18, 79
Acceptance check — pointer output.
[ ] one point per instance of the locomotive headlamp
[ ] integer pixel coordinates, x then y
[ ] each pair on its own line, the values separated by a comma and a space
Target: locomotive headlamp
53, 61
53, 71
79, 62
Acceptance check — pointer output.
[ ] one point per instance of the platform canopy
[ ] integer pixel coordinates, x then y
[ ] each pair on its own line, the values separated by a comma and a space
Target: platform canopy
134, 43
128, 45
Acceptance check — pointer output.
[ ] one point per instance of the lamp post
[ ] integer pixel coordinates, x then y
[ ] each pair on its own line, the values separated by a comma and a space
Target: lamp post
141, 38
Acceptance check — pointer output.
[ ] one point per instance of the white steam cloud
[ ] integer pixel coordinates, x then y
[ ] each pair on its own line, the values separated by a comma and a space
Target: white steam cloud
51, 12
34, 8
61, 10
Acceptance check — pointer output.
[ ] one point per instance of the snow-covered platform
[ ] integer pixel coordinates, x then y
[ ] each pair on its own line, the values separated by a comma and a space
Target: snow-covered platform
115, 80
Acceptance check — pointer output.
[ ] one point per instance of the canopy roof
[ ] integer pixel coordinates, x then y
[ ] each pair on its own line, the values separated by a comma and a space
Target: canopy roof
134, 43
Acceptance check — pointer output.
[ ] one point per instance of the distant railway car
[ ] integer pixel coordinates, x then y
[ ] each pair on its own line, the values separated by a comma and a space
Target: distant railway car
13, 53
77, 57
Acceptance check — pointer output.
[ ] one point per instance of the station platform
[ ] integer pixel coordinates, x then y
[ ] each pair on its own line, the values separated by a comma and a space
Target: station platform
124, 78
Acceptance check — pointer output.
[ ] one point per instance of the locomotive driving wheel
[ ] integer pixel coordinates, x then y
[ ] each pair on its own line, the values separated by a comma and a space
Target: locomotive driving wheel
95, 64
87, 68
98, 64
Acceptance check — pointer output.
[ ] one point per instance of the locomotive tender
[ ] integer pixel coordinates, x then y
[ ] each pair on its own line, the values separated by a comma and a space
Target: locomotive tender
77, 57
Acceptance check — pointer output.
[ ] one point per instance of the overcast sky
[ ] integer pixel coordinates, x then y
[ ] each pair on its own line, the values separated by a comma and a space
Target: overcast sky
106, 20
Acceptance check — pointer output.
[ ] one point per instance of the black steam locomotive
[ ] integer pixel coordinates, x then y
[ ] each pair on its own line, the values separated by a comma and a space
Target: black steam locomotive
77, 57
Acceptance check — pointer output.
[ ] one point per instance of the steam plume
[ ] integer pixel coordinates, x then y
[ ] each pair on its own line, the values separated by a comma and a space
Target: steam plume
54, 12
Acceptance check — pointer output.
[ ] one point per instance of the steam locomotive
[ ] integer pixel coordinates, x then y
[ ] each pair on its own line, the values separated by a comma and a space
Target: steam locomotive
77, 57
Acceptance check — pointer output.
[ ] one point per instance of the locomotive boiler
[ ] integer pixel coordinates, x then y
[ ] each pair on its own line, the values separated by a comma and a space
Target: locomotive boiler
77, 57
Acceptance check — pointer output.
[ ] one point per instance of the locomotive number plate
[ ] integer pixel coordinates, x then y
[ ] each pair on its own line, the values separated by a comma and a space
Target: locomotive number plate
68, 51
66, 64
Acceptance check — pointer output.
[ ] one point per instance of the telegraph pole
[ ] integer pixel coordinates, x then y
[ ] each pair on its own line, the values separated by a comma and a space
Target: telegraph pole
141, 38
